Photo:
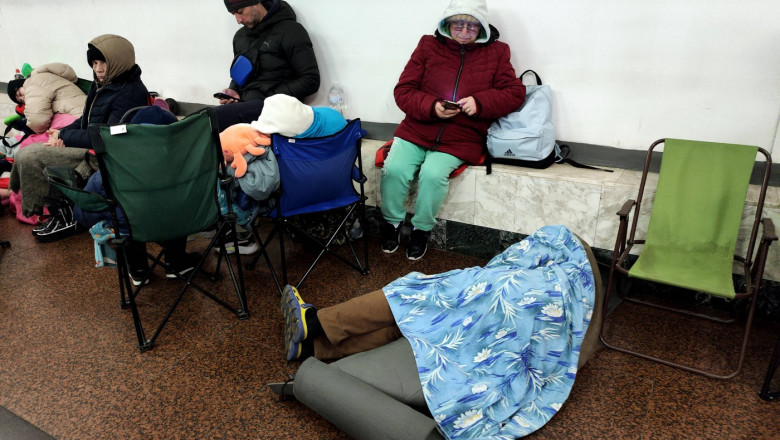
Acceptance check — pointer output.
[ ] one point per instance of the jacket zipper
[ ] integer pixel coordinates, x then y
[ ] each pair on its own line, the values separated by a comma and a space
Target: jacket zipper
92, 105
454, 95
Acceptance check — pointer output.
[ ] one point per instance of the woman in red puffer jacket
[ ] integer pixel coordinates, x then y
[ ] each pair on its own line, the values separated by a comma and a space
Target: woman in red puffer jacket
457, 82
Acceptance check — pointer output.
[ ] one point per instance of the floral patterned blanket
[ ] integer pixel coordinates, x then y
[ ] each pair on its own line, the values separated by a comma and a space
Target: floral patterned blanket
497, 347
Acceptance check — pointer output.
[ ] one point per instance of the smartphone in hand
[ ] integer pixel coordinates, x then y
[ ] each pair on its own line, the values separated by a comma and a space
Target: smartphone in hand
220, 95
450, 105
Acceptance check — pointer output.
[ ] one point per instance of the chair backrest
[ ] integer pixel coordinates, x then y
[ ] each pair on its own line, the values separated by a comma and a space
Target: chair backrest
84, 84
696, 215
318, 174
164, 177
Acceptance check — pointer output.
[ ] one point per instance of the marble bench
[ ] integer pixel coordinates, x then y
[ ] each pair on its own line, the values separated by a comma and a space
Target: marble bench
520, 200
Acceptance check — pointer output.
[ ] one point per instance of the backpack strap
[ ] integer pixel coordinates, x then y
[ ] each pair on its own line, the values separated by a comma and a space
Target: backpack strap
561, 156
538, 78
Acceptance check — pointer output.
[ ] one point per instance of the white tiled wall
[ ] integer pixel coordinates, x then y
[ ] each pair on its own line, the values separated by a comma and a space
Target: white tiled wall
522, 199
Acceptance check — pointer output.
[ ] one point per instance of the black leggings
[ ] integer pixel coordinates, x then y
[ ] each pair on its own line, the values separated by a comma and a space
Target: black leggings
238, 113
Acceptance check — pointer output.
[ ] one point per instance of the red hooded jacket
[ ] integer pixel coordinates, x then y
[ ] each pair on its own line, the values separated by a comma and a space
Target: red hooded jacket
440, 68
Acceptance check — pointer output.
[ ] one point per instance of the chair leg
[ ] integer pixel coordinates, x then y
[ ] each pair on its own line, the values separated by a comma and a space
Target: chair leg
238, 284
129, 295
284, 225
263, 251
356, 263
770, 372
740, 361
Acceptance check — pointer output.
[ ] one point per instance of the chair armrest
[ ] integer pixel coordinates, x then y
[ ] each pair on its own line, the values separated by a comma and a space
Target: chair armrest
359, 409
769, 233
358, 176
626, 209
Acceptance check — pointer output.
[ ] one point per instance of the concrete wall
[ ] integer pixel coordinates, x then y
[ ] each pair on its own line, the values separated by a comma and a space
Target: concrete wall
624, 72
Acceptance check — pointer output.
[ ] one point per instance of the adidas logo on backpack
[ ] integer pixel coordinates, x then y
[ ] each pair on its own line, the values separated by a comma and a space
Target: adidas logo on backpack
509, 153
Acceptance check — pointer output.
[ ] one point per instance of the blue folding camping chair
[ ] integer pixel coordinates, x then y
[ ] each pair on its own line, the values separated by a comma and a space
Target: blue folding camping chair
318, 175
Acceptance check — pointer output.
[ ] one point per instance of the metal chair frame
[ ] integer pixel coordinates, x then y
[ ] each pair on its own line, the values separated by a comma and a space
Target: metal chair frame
753, 270
225, 223
284, 222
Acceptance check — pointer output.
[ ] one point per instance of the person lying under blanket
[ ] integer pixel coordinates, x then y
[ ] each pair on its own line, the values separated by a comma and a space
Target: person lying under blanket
496, 347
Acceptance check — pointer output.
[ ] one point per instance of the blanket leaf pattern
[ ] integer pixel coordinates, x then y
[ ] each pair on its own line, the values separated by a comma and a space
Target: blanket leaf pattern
497, 347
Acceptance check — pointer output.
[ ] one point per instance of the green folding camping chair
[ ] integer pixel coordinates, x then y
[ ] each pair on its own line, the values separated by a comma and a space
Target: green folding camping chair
692, 232
164, 179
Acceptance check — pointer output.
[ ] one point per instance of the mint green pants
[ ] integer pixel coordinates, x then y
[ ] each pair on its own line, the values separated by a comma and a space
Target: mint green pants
405, 161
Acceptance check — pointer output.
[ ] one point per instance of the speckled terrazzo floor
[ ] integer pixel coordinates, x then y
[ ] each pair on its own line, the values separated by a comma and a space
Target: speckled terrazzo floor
69, 364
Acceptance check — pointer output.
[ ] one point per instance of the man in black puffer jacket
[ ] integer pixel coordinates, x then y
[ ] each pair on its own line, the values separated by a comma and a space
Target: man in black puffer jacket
281, 57
117, 88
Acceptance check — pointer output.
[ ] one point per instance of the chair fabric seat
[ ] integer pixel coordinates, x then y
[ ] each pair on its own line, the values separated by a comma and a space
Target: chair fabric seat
698, 270
147, 191
317, 172
692, 236
164, 178
696, 217
318, 175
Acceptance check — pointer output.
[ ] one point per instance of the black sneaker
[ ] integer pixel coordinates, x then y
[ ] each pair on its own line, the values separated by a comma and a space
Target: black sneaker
60, 225
391, 237
43, 225
188, 263
418, 244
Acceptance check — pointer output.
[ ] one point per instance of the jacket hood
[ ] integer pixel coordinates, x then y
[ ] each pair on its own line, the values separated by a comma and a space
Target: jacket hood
60, 69
475, 8
118, 52
277, 11
494, 35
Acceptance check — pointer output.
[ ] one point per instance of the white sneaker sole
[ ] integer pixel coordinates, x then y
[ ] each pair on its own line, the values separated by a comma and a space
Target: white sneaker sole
182, 273
243, 250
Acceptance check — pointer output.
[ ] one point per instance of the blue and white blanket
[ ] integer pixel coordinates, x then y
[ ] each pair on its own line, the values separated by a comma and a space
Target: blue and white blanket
497, 347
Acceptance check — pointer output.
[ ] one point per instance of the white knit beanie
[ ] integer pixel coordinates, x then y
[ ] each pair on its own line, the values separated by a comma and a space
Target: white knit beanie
285, 115
476, 8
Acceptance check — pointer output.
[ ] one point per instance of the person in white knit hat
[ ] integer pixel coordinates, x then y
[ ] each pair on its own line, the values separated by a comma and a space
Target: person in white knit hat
457, 82
286, 115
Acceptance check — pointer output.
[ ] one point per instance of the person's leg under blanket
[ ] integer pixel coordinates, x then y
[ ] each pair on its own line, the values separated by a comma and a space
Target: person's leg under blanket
354, 326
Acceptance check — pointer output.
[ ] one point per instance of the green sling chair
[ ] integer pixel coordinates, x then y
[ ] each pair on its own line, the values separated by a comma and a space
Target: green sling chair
694, 224
164, 179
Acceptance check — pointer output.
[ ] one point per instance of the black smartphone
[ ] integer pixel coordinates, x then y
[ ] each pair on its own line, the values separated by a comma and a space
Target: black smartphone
449, 105
221, 95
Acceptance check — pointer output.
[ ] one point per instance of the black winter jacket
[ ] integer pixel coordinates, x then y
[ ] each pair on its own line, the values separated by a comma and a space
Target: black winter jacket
106, 105
281, 53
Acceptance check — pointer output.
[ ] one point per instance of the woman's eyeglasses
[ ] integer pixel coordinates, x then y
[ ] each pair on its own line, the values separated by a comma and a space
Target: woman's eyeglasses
458, 26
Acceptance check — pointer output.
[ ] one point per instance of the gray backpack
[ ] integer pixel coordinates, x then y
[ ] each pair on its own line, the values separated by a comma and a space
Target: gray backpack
526, 137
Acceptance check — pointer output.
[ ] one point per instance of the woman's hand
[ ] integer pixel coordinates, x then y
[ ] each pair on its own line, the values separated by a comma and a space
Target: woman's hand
54, 139
445, 113
468, 105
